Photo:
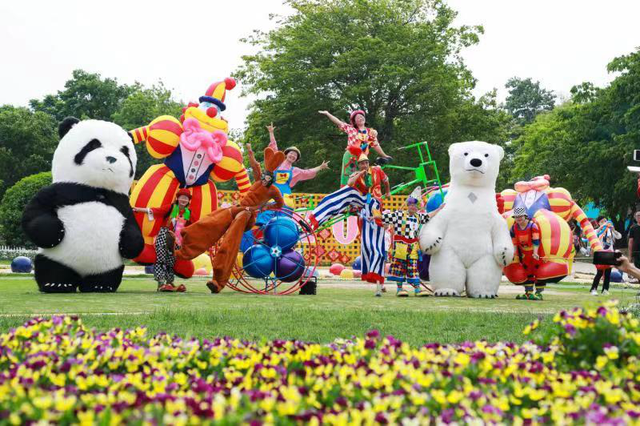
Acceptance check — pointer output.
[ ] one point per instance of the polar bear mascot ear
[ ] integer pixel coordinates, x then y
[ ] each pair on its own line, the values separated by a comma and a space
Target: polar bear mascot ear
500, 151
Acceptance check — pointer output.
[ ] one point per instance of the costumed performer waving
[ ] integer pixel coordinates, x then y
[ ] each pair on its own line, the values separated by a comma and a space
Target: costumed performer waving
230, 223
364, 193
286, 175
359, 139
175, 217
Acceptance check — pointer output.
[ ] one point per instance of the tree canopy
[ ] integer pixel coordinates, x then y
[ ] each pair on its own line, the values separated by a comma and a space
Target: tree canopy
399, 60
527, 99
586, 144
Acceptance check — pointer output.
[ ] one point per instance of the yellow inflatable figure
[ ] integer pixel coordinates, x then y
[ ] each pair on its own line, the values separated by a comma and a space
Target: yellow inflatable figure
551, 209
196, 154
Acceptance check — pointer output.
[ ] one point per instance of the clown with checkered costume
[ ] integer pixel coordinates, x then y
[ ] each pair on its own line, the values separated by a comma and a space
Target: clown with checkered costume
406, 224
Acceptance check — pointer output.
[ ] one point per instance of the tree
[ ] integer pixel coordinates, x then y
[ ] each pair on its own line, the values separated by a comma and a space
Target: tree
396, 59
586, 146
85, 96
139, 109
27, 142
527, 99
13, 204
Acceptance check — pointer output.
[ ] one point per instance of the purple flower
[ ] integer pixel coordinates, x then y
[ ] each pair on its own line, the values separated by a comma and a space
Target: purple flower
373, 334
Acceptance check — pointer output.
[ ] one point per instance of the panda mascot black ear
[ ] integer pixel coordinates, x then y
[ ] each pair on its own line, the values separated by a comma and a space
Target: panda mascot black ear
66, 125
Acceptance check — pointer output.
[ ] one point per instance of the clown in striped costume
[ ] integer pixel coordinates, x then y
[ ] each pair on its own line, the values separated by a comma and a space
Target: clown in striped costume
196, 154
364, 194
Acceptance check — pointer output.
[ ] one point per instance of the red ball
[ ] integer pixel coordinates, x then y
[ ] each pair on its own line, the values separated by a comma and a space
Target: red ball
336, 268
212, 112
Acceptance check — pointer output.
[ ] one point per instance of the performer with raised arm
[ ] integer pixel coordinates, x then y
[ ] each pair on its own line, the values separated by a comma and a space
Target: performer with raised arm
359, 139
286, 175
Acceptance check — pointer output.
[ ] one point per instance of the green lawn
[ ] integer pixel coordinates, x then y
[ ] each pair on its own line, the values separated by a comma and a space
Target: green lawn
333, 313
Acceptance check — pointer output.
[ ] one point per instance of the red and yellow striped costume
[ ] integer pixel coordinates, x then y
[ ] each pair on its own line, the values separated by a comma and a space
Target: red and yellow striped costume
556, 245
160, 182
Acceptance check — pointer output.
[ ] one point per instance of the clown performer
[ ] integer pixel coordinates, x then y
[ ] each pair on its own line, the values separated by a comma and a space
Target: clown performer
230, 223
364, 193
526, 239
174, 218
405, 250
359, 139
286, 175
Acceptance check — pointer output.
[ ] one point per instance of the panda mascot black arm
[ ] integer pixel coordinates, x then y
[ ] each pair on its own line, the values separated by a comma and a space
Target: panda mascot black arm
83, 221
40, 221
131, 239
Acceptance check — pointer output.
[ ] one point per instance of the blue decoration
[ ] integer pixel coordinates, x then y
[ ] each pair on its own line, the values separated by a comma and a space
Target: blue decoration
435, 200
616, 276
21, 264
257, 261
357, 265
281, 232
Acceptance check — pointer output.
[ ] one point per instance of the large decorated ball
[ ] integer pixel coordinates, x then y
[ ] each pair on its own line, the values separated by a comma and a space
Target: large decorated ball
282, 232
435, 199
357, 265
336, 268
257, 261
290, 266
21, 264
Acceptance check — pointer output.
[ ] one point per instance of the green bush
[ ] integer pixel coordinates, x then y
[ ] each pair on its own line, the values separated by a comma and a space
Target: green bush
13, 203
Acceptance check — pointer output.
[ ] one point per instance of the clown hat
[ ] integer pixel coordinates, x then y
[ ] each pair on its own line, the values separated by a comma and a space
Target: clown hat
415, 196
363, 157
217, 91
183, 191
352, 116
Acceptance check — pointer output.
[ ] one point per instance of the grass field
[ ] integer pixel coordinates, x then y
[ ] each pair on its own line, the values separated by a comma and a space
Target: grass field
336, 312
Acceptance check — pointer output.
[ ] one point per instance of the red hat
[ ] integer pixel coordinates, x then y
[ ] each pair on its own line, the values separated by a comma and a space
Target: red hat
183, 191
352, 117
217, 91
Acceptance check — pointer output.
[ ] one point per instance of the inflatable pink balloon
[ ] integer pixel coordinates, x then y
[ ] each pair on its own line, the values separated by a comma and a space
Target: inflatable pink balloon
357, 273
201, 271
336, 268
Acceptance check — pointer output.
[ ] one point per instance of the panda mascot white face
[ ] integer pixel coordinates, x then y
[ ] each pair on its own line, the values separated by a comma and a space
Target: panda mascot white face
83, 222
95, 153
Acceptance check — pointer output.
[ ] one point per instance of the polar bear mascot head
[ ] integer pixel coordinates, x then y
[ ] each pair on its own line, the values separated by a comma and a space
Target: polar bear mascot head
475, 163
95, 153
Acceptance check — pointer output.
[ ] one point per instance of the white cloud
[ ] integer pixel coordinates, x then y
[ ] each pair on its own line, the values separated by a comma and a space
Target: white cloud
191, 44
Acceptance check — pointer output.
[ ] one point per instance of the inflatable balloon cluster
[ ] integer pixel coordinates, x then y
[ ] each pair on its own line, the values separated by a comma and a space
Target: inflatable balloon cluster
275, 254
551, 208
196, 154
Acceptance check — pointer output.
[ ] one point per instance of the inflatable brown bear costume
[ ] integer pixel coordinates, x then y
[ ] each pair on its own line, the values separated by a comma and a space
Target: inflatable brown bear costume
230, 223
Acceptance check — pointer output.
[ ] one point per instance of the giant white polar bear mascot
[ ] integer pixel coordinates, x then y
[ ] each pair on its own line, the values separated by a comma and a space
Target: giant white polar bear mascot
468, 240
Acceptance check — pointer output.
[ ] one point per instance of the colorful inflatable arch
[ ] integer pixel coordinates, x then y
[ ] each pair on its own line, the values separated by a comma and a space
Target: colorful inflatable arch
191, 160
551, 208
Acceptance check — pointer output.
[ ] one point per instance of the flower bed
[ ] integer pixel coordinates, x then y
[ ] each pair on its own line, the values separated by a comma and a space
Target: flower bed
56, 370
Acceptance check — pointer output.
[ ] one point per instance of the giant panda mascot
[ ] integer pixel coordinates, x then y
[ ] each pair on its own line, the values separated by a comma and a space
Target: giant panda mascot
83, 221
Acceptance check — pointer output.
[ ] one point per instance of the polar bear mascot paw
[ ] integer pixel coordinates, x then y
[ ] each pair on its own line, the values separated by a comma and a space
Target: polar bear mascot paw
468, 239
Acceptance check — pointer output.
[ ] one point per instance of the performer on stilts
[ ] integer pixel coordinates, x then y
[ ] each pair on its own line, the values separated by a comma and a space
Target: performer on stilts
230, 223
526, 239
406, 226
364, 193
359, 139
